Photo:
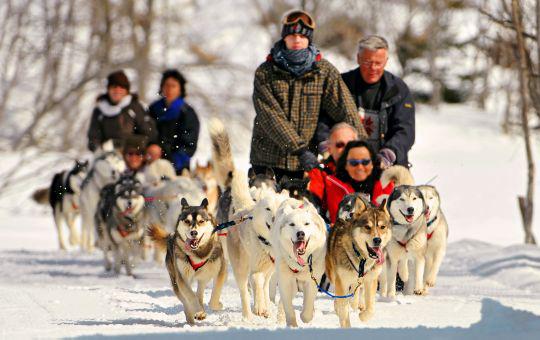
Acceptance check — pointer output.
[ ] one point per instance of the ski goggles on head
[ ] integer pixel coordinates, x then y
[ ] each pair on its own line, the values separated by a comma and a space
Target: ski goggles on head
356, 162
297, 16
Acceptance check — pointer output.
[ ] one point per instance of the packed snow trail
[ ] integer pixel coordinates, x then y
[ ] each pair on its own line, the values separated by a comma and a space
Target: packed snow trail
486, 288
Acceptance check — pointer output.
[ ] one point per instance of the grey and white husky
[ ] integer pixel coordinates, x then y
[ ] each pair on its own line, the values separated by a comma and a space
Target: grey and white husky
120, 221
194, 253
407, 207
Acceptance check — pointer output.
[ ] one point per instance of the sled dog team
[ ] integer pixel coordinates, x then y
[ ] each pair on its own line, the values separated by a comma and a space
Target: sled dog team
274, 239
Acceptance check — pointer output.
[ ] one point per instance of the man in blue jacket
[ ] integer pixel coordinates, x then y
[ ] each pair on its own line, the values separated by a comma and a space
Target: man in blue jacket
384, 103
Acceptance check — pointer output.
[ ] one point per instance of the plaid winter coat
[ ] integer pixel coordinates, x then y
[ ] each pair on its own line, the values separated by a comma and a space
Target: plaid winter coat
287, 111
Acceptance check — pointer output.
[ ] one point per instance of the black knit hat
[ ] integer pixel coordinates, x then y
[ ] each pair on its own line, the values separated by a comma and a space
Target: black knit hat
135, 143
298, 22
118, 78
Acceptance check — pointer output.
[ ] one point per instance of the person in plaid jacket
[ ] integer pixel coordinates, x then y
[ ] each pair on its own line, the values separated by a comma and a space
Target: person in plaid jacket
291, 88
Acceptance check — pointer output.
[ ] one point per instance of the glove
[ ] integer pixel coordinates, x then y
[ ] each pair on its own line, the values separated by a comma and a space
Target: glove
386, 157
308, 160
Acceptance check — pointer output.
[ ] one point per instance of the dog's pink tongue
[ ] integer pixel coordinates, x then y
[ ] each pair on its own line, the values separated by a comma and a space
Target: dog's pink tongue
380, 257
300, 246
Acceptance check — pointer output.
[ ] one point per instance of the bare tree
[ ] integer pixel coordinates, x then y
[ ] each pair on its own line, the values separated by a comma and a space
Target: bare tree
526, 203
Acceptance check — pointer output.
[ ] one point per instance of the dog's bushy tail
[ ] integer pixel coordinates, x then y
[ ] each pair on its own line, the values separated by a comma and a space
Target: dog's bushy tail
159, 235
241, 197
41, 196
221, 152
400, 175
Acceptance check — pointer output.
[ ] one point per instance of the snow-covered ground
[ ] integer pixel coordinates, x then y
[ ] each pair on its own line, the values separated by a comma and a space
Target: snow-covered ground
489, 286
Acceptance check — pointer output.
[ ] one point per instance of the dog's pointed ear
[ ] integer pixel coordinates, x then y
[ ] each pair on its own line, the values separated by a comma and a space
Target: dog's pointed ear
204, 203
251, 173
269, 172
382, 206
184, 203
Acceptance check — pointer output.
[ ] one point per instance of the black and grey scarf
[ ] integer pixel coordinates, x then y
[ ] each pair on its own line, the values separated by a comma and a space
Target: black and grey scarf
297, 62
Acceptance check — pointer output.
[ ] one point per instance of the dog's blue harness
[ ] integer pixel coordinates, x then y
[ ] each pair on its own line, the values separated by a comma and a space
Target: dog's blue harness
229, 224
359, 270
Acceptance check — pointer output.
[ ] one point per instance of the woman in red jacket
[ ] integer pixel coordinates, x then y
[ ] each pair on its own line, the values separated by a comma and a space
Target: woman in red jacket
356, 171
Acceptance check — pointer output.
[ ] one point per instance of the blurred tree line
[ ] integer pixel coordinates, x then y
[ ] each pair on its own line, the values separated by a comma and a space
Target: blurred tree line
54, 54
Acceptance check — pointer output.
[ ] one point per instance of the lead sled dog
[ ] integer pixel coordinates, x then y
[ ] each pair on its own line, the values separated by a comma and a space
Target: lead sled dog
193, 254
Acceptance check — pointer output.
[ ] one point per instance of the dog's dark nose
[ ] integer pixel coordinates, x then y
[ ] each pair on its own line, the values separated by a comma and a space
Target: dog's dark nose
377, 241
129, 203
300, 235
193, 233
410, 210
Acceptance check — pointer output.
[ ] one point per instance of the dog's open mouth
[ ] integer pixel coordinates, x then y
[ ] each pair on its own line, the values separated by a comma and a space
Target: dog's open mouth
375, 253
193, 243
299, 250
408, 218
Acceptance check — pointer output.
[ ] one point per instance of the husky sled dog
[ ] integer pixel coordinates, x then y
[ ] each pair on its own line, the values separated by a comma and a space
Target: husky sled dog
250, 250
204, 174
193, 254
120, 221
64, 193
106, 169
223, 167
437, 234
407, 207
299, 244
257, 180
354, 257
163, 206
158, 171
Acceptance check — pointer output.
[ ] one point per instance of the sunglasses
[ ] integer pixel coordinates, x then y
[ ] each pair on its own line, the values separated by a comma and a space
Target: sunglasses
295, 17
134, 153
356, 162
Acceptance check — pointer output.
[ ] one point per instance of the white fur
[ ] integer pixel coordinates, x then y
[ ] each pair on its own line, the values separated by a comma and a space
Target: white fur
251, 259
106, 171
415, 237
436, 245
292, 217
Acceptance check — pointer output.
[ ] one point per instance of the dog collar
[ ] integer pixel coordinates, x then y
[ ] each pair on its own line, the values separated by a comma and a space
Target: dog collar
196, 266
433, 220
361, 265
264, 241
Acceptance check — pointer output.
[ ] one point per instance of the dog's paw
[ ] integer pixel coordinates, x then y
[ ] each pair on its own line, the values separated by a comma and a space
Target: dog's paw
200, 315
365, 315
215, 306
74, 240
259, 310
248, 316
306, 316
430, 283
420, 292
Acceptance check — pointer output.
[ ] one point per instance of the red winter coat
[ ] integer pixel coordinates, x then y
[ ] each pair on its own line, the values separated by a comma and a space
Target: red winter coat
331, 190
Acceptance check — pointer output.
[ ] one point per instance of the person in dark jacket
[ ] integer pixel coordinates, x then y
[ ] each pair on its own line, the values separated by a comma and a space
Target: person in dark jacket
384, 103
118, 115
177, 122
290, 90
